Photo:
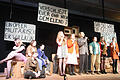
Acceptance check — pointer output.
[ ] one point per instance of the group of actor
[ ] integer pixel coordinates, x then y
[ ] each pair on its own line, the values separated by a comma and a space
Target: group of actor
36, 62
71, 49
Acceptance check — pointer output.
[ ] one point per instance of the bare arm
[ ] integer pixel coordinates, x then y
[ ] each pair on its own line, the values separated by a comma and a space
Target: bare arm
20, 49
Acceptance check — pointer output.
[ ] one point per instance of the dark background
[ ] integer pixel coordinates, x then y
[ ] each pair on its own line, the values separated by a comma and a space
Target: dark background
82, 14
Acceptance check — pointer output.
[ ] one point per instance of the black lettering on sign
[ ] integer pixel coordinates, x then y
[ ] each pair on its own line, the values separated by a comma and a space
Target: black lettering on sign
54, 15
44, 18
45, 13
64, 17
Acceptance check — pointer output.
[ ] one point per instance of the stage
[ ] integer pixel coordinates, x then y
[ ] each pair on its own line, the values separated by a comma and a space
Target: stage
108, 76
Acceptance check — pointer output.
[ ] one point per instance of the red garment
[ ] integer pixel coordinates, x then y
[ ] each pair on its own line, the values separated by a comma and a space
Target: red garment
70, 46
114, 52
101, 51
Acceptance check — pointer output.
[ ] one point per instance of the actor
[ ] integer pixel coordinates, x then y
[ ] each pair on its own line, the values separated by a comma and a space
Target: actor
103, 54
73, 53
31, 49
83, 52
32, 69
61, 51
114, 49
15, 55
44, 59
95, 55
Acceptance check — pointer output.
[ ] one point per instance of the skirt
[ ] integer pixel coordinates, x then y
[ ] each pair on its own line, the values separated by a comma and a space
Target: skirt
72, 58
62, 51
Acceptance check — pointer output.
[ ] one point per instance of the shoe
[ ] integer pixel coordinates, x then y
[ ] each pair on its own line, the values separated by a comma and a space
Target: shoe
86, 72
61, 75
98, 72
116, 72
7, 77
73, 73
42, 76
47, 73
80, 73
102, 72
105, 72
64, 74
92, 73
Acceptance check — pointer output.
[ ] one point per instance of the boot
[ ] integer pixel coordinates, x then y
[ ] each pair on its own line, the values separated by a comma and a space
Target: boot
104, 72
113, 71
70, 70
73, 73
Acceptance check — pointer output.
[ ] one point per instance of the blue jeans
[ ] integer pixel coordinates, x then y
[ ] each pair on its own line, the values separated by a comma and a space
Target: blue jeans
39, 63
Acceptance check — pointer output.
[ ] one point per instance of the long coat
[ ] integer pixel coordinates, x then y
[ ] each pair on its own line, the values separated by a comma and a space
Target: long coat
114, 51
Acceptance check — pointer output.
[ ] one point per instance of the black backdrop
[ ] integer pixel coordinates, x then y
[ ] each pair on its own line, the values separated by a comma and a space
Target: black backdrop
45, 33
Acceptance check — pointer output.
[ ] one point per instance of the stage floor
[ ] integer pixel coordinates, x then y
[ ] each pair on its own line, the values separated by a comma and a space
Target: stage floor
108, 76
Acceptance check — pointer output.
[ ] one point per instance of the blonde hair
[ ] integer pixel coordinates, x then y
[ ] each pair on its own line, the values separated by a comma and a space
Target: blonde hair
60, 35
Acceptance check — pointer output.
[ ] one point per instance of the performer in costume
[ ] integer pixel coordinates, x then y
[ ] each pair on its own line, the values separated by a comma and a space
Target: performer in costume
83, 51
61, 51
114, 49
73, 53
95, 55
44, 59
103, 54
31, 49
17, 54
32, 69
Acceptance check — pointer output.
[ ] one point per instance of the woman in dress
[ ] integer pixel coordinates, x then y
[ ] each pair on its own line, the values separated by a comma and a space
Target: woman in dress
61, 51
73, 53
